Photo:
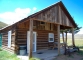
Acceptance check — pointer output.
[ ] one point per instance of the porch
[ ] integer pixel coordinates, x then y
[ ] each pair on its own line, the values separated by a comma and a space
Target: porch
41, 35
46, 54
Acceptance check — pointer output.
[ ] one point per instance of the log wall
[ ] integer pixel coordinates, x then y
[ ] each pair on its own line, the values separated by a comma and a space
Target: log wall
5, 42
21, 31
21, 37
42, 39
42, 34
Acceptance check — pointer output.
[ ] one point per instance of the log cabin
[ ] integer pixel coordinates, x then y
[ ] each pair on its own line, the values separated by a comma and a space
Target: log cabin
39, 30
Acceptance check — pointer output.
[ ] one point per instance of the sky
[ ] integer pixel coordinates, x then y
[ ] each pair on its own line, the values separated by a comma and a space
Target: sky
12, 11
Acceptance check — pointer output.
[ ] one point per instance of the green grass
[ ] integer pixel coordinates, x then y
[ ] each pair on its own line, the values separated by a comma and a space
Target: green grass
4, 55
34, 58
78, 43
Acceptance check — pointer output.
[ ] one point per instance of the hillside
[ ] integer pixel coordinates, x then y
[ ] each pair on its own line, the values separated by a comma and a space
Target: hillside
77, 36
2, 24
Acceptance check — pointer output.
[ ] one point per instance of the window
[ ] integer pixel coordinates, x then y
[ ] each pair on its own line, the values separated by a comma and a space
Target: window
51, 37
9, 39
42, 23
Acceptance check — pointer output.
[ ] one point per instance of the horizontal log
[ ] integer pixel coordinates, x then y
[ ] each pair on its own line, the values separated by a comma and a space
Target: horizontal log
12, 46
6, 47
39, 48
21, 43
22, 39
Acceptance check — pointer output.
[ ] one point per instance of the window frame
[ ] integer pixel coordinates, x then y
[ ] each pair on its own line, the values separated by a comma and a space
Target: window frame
50, 35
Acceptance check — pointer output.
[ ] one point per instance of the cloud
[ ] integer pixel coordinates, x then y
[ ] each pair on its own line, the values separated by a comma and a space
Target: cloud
18, 14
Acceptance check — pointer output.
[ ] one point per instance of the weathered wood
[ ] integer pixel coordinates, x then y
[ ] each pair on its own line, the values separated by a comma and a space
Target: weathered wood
51, 16
63, 36
66, 38
5, 42
73, 42
60, 21
42, 39
31, 38
21, 36
58, 32
42, 36
23, 25
44, 26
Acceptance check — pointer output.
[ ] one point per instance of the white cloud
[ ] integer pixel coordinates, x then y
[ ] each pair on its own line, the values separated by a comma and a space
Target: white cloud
18, 14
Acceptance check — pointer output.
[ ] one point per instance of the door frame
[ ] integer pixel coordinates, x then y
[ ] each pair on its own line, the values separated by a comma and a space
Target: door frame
28, 41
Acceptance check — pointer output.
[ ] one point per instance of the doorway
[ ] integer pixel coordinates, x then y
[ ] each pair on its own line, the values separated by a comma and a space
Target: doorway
34, 41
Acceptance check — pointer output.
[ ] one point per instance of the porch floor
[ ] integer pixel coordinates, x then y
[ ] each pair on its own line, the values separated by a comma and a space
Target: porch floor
44, 54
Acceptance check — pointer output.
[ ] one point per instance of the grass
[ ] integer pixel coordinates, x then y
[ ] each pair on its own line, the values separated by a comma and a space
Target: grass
34, 59
4, 55
78, 43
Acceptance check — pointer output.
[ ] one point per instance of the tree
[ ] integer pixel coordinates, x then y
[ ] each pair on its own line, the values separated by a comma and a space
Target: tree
76, 30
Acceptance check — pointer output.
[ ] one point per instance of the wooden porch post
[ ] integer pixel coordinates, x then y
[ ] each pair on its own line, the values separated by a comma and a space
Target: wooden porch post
58, 32
66, 38
63, 36
31, 38
58, 28
73, 43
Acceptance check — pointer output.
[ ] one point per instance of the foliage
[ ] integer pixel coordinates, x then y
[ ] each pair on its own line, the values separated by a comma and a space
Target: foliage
76, 30
4, 55
2, 24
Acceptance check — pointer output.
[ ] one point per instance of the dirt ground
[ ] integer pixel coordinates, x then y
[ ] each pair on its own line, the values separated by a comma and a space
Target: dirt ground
74, 56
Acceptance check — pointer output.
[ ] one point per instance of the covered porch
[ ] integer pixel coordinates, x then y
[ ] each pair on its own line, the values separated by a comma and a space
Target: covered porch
43, 54
39, 33
52, 52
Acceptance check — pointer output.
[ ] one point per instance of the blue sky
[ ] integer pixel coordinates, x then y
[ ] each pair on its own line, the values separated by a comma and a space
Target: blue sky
12, 11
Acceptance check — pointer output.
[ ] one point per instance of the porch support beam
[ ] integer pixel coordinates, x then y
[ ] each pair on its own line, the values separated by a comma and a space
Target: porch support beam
63, 36
66, 38
58, 32
58, 29
73, 43
31, 38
